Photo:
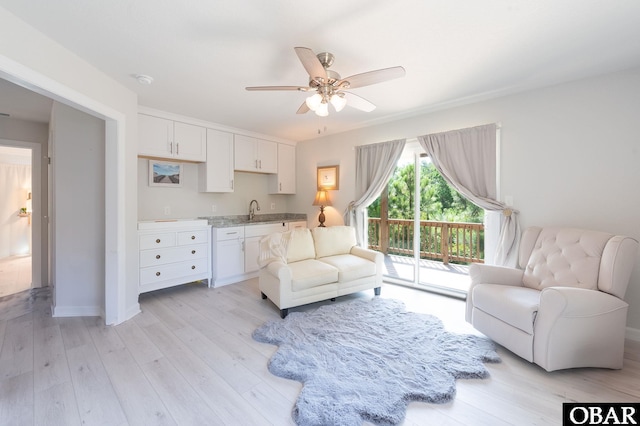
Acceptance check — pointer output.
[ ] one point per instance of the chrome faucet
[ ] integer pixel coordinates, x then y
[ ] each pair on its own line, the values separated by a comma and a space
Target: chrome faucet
252, 212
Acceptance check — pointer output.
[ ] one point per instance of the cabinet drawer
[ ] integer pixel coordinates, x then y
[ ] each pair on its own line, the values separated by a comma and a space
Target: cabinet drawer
171, 271
223, 234
193, 237
172, 254
157, 240
260, 230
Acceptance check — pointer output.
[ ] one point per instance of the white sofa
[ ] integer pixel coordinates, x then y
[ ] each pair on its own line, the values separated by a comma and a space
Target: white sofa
303, 266
563, 307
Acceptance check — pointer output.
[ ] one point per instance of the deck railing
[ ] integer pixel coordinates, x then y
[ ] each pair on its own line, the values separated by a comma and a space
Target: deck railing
445, 241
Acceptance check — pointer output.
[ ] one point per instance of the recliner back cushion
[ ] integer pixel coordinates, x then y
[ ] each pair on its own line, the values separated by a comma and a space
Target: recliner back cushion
300, 245
333, 240
565, 257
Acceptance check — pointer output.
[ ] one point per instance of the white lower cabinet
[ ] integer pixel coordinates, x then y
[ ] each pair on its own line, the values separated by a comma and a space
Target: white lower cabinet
173, 253
236, 250
228, 255
252, 236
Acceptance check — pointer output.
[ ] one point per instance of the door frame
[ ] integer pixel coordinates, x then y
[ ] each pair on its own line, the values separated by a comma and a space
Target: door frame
39, 275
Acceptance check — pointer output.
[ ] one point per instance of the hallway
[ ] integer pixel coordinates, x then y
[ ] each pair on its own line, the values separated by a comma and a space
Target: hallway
15, 274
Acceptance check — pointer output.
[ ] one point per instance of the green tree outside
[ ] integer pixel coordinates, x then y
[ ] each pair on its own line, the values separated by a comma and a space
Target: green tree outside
438, 200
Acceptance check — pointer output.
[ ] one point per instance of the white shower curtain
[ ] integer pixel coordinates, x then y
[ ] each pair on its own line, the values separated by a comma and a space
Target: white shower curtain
15, 185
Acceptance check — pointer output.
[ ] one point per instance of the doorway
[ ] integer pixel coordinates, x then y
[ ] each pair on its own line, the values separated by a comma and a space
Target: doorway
16, 208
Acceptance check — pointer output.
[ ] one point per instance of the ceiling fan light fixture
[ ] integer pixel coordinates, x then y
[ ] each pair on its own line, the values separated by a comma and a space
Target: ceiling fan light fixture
314, 101
322, 110
338, 102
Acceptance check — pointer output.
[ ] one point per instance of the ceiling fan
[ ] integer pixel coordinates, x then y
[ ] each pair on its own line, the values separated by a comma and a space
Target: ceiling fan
329, 87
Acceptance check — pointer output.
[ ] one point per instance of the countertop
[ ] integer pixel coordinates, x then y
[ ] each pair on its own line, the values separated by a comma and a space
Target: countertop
259, 219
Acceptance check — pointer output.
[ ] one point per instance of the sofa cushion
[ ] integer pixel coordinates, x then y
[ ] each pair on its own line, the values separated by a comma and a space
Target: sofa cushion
311, 273
517, 306
565, 257
300, 245
333, 240
350, 267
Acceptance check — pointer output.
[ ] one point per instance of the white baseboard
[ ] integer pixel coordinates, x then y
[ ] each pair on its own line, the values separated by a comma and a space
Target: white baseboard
633, 334
76, 311
131, 312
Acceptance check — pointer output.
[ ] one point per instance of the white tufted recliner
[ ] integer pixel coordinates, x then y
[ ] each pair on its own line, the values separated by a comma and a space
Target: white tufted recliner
563, 306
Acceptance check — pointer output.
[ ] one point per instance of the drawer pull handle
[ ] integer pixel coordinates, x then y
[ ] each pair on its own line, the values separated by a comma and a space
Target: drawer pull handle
158, 241
157, 274
157, 256
232, 233
193, 252
193, 267
193, 237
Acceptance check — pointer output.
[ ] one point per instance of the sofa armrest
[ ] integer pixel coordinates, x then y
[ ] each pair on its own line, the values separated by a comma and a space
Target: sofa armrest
374, 256
279, 270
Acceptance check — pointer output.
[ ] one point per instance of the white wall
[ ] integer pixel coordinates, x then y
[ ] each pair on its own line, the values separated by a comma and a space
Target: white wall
187, 202
569, 153
78, 225
31, 59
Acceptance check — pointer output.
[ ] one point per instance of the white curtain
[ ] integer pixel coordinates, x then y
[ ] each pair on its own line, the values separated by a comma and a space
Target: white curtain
466, 159
15, 185
375, 164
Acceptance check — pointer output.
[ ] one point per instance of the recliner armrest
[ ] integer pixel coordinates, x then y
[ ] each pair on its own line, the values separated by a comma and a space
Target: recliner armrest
491, 274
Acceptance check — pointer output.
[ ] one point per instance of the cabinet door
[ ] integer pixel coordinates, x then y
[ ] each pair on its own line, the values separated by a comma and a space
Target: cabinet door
284, 182
245, 154
229, 259
190, 142
216, 174
267, 156
251, 253
155, 136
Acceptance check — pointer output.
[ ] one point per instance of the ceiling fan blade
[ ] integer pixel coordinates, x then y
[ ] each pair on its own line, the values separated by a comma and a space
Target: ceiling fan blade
311, 63
372, 77
358, 102
304, 89
303, 109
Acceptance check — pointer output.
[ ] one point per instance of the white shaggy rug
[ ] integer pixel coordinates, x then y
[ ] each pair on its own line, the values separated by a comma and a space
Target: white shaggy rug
367, 359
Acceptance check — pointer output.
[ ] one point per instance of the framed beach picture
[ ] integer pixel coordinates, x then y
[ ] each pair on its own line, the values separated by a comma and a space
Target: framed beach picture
328, 177
164, 173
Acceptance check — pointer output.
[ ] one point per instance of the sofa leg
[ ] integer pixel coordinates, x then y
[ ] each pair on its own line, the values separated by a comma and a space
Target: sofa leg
264, 296
284, 313
376, 291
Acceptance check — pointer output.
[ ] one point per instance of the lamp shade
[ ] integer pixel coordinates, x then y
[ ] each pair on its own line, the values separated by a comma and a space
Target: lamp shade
322, 110
338, 102
322, 199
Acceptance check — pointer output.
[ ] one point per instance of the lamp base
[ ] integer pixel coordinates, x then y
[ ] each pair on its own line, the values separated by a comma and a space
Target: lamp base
321, 218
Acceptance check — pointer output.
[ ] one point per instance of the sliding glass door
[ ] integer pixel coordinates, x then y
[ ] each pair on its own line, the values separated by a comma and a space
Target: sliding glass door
427, 231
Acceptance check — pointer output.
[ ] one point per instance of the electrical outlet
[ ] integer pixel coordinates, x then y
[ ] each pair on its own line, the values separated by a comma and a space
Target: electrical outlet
273, 206
167, 210
214, 208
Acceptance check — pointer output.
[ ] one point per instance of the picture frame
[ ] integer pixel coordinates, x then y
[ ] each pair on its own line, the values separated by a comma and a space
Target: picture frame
165, 173
328, 178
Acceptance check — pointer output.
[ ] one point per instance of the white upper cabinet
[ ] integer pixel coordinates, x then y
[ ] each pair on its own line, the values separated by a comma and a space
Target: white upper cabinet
163, 138
284, 182
216, 175
255, 155
190, 141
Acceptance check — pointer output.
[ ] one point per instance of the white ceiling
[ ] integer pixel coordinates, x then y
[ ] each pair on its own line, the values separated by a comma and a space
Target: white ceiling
202, 54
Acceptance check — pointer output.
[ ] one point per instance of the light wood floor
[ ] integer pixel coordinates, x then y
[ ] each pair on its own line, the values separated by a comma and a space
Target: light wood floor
15, 274
189, 359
